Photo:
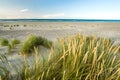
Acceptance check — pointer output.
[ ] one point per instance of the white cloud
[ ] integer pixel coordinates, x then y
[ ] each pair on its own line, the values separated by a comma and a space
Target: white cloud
53, 15
24, 10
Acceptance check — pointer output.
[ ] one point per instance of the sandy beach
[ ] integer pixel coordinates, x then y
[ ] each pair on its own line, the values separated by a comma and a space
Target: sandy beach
59, 40
54, 30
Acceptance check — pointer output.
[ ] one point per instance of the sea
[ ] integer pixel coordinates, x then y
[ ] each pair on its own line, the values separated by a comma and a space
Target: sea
58, 20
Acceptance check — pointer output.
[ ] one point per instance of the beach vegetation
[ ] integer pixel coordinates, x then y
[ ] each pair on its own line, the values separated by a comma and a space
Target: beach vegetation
74, 58
34, 41
17, 25
78, 58
9, 43
4, 42
4, 72
25, 25
14, 42
6, 25
10, 28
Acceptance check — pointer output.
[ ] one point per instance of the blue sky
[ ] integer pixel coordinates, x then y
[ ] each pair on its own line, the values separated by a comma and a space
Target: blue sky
54, 9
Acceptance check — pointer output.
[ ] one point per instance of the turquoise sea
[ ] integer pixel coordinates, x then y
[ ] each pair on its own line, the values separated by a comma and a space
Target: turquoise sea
57, 20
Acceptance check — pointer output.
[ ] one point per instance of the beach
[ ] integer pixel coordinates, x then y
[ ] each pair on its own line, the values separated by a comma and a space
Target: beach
54, 30
59, 40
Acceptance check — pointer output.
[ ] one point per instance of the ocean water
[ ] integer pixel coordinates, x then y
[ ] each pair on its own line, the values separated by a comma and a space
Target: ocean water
57, 20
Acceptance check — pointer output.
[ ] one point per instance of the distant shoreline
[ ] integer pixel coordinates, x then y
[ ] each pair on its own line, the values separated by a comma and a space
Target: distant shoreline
59, 20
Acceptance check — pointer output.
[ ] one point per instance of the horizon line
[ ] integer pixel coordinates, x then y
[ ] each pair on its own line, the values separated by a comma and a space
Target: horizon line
56, 19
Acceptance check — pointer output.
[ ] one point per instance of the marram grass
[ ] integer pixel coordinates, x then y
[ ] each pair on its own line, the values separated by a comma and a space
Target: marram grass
4, 42
14, 42
76, 58
4, 73
34, 41
9, 43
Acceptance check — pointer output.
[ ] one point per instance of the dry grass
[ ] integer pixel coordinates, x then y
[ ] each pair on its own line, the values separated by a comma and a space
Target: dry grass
76, 58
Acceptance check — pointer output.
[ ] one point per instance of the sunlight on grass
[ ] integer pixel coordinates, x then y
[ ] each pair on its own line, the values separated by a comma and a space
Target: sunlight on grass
75, 58
78, 58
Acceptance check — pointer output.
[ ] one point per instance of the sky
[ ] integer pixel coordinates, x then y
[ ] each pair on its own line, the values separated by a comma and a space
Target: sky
59, 9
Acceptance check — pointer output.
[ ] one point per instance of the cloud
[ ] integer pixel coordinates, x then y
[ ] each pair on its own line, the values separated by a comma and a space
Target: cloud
24, 10
53, 15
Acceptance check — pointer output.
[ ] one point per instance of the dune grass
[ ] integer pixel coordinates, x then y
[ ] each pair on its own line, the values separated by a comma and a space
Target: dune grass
9, 43
4, 42
34, 41
76, 58
14, 42
4, 73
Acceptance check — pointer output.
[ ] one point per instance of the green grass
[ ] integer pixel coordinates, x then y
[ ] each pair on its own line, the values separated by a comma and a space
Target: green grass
34, 41
4, 72
4, 42
9, 43
14, 42
75, 58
